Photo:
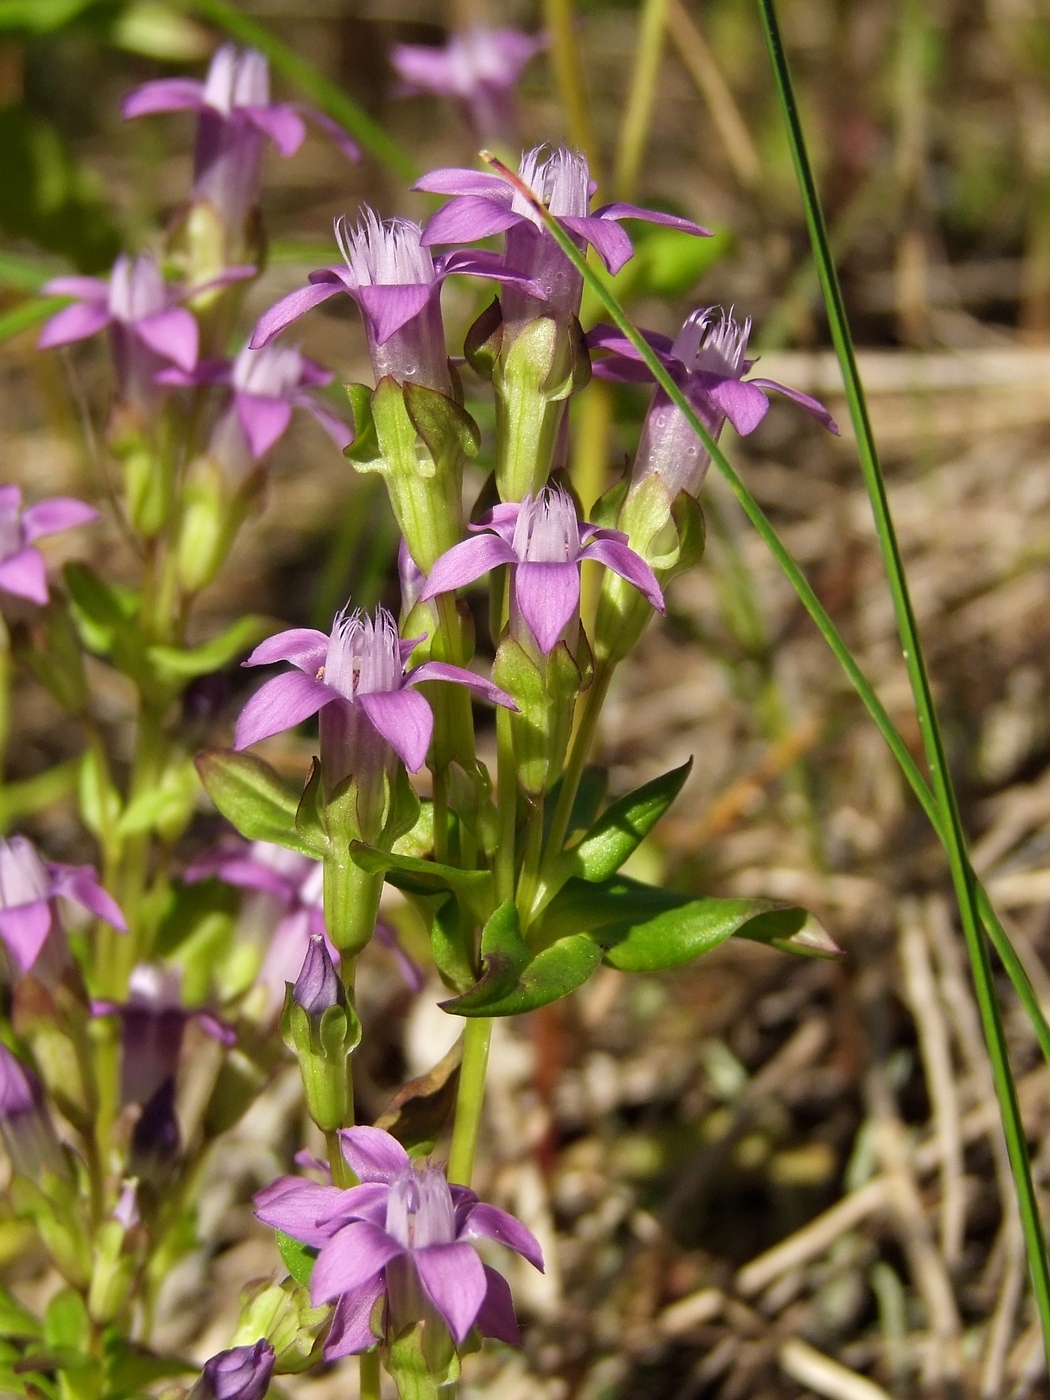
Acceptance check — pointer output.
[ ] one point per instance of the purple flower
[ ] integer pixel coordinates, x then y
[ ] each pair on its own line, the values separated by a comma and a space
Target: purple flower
28, 889
479, 69
396, 282
154, 1021
402, 1230
545, 542
25, 1124
266, 385
22, 569
356, 678
242, 1373
484, 203
235, 120
707, 361
147, 330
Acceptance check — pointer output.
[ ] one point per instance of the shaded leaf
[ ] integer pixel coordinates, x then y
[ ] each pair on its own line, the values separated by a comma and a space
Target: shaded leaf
418, 1112
251, 796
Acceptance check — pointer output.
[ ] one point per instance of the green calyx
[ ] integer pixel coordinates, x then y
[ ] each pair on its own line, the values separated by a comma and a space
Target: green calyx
323, 1046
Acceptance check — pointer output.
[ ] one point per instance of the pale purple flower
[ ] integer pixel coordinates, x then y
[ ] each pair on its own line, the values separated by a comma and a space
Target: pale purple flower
265, 386
484, 204
544, 541
147, 329
404, 1228
396, 282
29, 887
356, 679
22, 569
707, 361
126, 1211
242, 1373
153, 1022
285, 909
25, 1124
478, 69
235, 119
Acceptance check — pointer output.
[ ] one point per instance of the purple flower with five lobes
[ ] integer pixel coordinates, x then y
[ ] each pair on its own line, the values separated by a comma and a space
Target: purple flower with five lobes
544, 540
484, 204
242, 1373
22, 570
28, 890
358, 670
396, 282
479, 69
235, 119
403, 1227
707, 361
265, 386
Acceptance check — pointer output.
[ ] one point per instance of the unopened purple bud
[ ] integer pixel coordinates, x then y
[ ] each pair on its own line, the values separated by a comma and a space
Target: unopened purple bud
126, 1211
25, 1124
317, 987
242, 1373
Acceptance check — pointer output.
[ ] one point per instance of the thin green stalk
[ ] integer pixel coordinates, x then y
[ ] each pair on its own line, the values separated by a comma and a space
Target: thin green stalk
370, 1378
342, 1175
583, 737
964, 880
477, 1035
506, 807
530, 865
634, 133
328, 96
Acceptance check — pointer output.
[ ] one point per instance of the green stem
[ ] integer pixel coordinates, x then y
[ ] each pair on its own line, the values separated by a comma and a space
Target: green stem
964, 880
370, 1378
593, 700
477, 1034
530, 865
634, 133
440, 796
342, 1175
506, 806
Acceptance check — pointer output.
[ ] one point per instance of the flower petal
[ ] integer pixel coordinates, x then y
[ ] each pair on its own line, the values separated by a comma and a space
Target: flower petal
460, 181
548, 596
302, 646
743, 404
83, 288
811, 405
481, 262
650, 216
603, 336
468, 218
350, 1331
465, 562
263, 420
405, 721
24, 929
280, 704
296, 1206
454, 1277
459, 675
624, 561
271, 323
345, 143
164, 95
80, 884
173, 334
500, 1225
391, 307
608, 239
373, 1155
58, 513
74, 322
23, 574
496, 1316
336, 429
351, 1258
281, 123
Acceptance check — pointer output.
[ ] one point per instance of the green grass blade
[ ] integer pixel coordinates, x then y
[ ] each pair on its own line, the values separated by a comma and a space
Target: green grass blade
951, 830
328, 96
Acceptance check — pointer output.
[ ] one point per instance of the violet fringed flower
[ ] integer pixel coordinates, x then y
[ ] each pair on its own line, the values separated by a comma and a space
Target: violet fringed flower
478, 69
483, 204
545, 543
396, 282
25, 1124
29, 888
405, 1237
356, 679
235, 119
242, 1373
23, 573
707, 359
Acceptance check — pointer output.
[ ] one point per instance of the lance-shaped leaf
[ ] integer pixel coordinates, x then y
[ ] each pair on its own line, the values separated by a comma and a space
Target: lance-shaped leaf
418, 1112
451, 945
473, 888
176, 664
617, 833
251, 796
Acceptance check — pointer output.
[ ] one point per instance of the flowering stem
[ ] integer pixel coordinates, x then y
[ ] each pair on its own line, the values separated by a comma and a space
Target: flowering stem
477, 1035
593, 700
342, 1176
530, 866
507, 806
370, 1380
440, 797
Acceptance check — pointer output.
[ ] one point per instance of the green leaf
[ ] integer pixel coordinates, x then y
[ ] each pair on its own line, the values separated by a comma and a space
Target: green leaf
443, 425
590, 794
473, 888
552, 974
106, 615
618, 831
298, 1258
309, 815
251, 796
504, 957
166, 808
66, 1322
174, 664
365, 446
450, 945
418, 842
132, 1367
16, 1320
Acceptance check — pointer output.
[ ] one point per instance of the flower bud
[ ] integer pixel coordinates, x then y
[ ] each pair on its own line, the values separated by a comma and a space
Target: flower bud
322, 1030
242, 1373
